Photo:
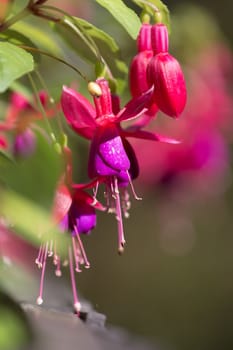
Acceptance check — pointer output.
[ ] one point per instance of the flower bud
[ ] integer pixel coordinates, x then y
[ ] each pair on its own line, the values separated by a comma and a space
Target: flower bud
164, 72
137, 74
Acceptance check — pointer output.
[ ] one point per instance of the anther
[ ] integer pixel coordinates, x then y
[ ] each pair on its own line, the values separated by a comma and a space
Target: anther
94, 89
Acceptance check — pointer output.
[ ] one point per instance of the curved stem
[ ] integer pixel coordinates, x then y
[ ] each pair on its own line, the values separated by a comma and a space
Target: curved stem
33, 49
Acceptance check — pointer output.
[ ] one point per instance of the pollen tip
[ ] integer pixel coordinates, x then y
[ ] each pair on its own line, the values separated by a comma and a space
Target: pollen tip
87, 265
58, 273
77, 307
94, 89
121, 249
39, 301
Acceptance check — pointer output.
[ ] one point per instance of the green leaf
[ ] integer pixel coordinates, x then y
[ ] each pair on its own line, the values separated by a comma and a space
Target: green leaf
162, 8
16, 38
123, 14
14, 63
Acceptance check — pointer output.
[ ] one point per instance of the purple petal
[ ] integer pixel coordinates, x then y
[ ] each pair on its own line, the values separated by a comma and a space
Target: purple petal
147, 135
79, 112
136, 107
83, 216
111, 149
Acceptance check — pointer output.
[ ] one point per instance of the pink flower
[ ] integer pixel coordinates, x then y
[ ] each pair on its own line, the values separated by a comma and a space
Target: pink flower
111, 159
165, 74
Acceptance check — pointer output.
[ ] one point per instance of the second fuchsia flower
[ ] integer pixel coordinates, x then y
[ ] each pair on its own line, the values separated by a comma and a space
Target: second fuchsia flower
112, 160
74, 211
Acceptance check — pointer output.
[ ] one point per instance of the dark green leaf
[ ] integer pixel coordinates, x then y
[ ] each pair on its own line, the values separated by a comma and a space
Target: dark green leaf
14, 63
123, 14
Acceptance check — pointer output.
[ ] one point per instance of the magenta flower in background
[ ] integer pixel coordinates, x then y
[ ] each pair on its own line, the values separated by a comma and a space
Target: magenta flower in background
112, 160
20, 120
165, 74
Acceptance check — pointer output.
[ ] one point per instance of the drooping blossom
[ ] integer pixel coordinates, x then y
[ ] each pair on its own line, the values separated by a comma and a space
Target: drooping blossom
20, 121
112, 160
165, 74
74, 211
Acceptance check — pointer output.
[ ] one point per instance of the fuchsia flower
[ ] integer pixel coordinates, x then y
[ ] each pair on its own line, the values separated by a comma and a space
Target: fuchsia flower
112, 160
165, 74
74, 212
21, 115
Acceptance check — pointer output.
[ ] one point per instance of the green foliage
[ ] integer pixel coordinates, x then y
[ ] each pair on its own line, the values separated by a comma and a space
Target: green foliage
123, 14
14, 63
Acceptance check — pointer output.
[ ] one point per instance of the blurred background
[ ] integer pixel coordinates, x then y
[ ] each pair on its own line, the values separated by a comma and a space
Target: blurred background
173, 285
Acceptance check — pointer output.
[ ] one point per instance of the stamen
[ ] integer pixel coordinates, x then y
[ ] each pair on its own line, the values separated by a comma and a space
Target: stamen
121, 238
76, 255
58, 272
38, 259
55, 256
95, 191
50, 251
132, 188
126, 204
86, 262
77, 305
39, 300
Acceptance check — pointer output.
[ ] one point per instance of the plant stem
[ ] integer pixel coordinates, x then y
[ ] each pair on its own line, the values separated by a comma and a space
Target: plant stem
19, 16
